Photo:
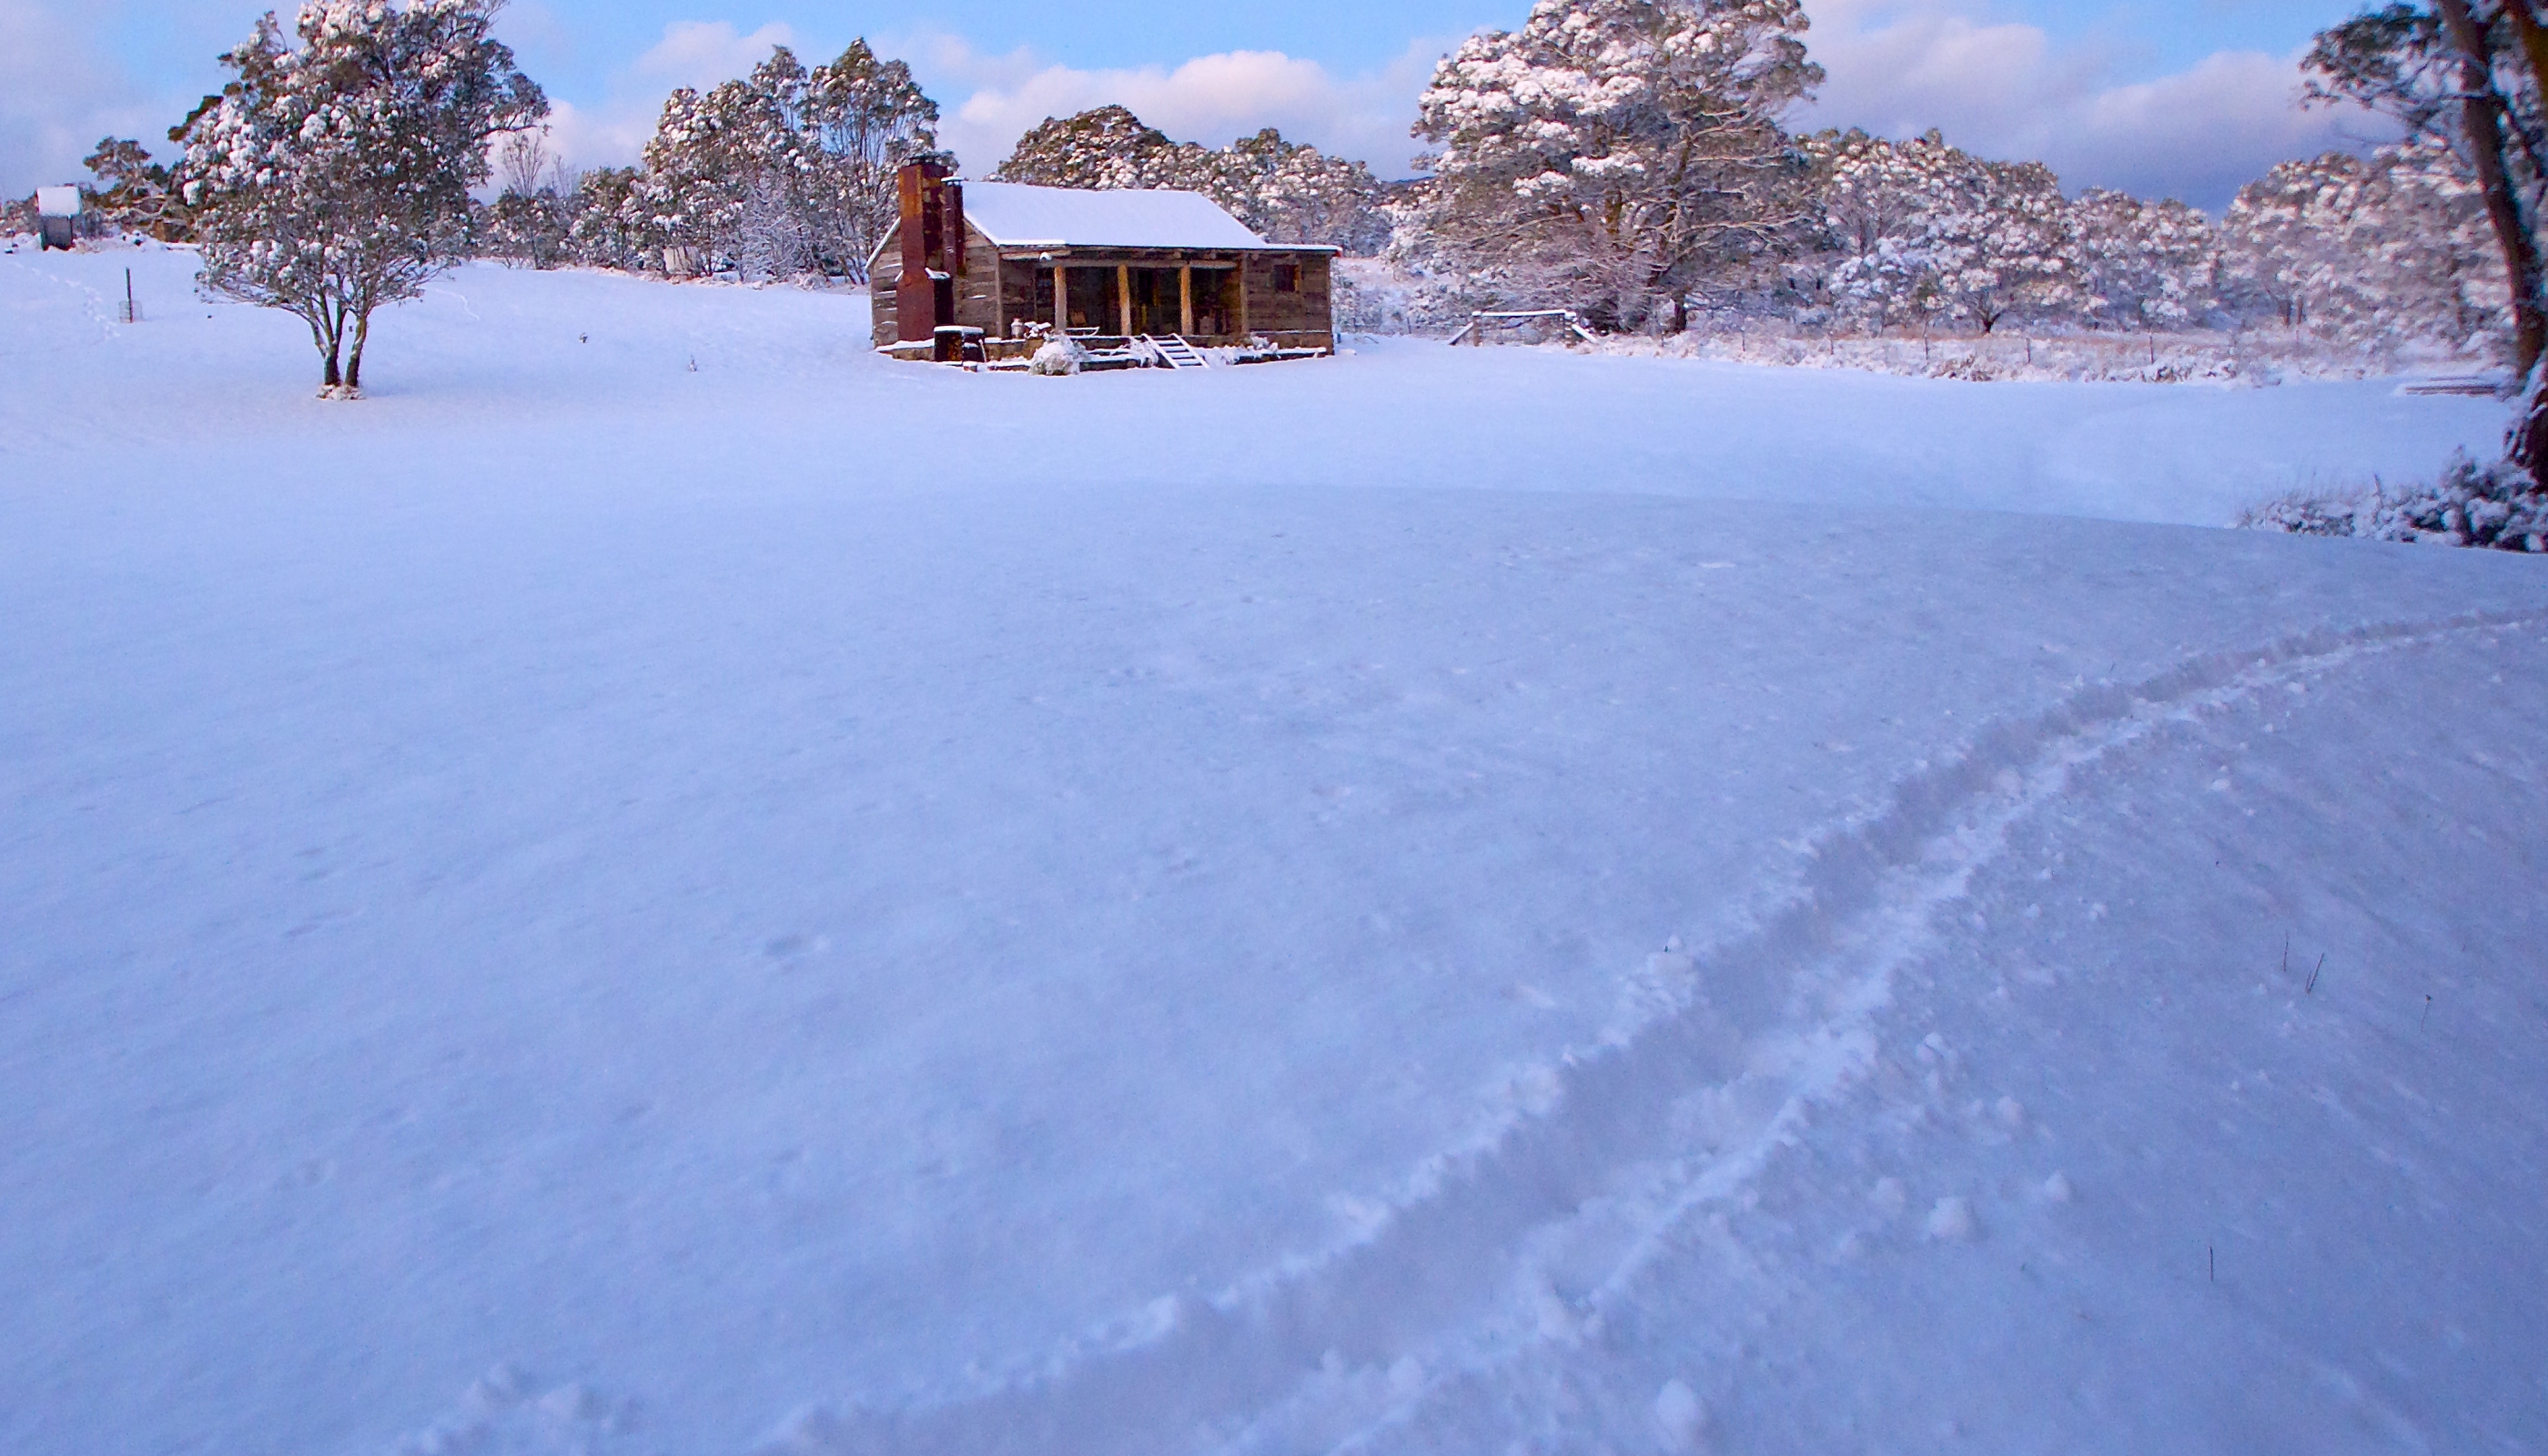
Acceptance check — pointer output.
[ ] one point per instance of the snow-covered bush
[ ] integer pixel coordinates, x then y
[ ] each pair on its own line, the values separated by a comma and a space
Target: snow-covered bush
1060, 354
2470, 505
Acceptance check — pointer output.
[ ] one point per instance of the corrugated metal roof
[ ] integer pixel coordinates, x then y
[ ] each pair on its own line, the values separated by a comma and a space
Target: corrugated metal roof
1015, 215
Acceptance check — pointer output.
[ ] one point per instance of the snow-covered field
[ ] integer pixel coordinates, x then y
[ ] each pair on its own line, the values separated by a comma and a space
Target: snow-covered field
1431, 901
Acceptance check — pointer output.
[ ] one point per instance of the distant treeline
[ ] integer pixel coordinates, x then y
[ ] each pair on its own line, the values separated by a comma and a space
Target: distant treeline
1623, 159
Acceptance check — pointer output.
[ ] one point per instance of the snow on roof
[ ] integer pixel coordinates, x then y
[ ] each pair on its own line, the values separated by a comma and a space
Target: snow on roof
1015, 215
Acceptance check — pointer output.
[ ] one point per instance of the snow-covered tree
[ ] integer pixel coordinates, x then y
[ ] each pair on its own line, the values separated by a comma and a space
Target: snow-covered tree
786, 169
2004, 248
1920, 229
711, 154
609, 220
1611, 154
2283, 238
133, 191
2441, 279
529, 228
332, 176
1291, 191
2143, 264
863, 117
2469, 73
1872, 195
531, 220
1104, 147
770, 238
1877, 202
2373, 250
534, 229
2461, 76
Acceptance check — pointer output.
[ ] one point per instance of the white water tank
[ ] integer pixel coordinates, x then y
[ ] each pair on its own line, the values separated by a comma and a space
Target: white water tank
58, 209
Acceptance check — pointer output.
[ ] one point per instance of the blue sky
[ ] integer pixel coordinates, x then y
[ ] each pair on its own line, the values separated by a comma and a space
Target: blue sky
2185, 97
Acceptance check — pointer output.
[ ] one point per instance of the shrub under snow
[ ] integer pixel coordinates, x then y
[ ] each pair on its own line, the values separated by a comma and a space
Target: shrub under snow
1060, 354
2472, 505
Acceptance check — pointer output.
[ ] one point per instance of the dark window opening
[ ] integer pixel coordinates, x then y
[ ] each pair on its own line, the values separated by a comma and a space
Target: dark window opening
1092, 299
1039, 296
1287, 278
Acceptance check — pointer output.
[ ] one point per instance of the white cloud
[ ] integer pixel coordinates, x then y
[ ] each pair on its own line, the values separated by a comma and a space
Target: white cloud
700, 53
1209, 99
602, 136
2005, 90
58, 95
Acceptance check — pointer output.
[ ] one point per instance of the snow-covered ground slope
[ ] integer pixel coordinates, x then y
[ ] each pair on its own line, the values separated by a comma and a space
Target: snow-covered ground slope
1429, 901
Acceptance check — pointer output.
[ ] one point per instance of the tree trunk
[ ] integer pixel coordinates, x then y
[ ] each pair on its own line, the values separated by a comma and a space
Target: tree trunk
2479, 115
2526, 441
320, 340
355, 364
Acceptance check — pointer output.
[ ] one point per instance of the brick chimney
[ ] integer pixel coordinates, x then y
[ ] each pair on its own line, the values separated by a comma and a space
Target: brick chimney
933, 250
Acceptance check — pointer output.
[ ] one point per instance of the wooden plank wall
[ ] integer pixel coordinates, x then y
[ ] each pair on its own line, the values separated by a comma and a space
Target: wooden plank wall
1308, 311
976, 305
977, 291
882, 281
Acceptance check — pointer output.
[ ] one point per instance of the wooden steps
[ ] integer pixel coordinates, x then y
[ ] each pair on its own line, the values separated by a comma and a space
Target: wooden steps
1173, 351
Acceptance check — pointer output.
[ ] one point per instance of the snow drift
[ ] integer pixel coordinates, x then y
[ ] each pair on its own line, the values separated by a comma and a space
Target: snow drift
820, 905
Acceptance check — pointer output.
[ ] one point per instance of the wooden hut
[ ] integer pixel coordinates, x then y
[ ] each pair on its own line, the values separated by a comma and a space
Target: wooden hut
1110, 265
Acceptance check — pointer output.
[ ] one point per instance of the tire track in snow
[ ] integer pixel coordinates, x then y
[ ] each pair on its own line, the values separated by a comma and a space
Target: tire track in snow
1520, 1239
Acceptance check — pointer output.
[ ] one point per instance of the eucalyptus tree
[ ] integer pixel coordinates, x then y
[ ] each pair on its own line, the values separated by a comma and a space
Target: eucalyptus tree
1610, 155
2467, 74
331, 174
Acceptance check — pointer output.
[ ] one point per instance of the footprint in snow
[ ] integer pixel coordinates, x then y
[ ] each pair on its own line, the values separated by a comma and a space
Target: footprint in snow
1952, 1222
1890, 1196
